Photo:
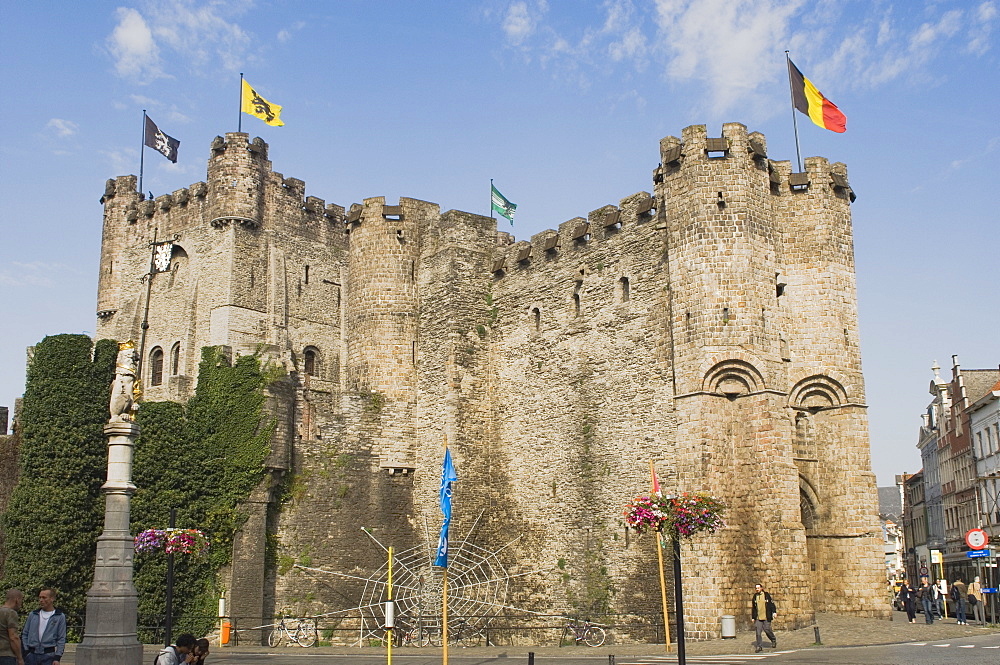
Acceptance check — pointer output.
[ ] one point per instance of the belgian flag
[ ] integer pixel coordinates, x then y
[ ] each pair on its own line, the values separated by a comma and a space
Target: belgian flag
807, 99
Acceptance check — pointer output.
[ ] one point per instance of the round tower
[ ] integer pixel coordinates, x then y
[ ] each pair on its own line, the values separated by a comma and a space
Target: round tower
120, 200
236, 172
381, 325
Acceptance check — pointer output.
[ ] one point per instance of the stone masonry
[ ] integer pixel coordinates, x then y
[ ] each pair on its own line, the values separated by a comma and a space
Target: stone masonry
709, 325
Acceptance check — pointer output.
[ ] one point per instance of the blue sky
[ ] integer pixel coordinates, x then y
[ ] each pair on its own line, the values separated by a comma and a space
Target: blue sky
563, 103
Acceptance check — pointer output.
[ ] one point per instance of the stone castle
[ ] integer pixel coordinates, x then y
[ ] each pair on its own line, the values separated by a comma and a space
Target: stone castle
710, 326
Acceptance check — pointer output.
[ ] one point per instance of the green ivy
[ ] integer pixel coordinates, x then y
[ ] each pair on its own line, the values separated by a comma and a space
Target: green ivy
56, 510
203, 460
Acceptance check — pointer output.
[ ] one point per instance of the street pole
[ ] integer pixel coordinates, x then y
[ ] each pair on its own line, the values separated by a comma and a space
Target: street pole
678, 600
168, 624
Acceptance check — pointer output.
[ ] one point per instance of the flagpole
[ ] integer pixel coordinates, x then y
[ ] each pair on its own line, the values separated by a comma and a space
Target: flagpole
795, 123
142, 149
444, 591
239, 124
491, 199
659, 557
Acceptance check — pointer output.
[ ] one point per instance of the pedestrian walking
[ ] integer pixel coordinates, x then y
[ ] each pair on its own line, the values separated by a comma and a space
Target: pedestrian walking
44, 636
763, 611
925, 594
10, 629
959, 593
177, 653
976, 601
907, 597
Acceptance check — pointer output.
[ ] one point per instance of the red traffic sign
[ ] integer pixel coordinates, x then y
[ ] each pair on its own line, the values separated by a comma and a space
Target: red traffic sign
976, 539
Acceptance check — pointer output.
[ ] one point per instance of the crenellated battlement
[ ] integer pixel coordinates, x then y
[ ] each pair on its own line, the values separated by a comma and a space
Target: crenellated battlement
707, 321
577, 236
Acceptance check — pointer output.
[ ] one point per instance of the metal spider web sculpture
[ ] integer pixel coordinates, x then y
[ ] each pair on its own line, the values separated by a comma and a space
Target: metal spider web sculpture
478, 585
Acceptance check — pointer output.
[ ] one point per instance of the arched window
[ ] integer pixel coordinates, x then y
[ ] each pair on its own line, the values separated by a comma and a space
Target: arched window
156, 366
175, 359
311, 361
625, 289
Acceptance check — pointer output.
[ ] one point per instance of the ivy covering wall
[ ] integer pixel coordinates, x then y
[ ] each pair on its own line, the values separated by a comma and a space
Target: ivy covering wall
56, 510
202, 459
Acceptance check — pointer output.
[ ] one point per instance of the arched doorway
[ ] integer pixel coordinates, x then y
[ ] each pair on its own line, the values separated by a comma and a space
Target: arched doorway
809, 515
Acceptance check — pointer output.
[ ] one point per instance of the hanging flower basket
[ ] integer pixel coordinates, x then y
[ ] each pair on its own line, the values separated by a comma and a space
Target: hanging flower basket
684, 515
174, 541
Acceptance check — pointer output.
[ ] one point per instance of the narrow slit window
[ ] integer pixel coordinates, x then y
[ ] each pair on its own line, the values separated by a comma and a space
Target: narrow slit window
625, 289
310, 361
156, 367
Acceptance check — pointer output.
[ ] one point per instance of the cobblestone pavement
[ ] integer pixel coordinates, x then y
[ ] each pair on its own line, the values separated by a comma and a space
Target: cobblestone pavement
835, 630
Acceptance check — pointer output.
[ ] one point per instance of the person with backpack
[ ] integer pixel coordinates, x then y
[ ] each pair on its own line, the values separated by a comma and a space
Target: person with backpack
177, 653
959, 593
762, 611
976, 601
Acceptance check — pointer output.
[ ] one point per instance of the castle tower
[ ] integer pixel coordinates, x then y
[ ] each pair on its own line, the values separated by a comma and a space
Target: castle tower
119, 200
763, 328
382, 308
826, 393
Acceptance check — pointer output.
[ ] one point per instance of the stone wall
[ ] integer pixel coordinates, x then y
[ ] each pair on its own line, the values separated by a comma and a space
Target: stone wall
709, 326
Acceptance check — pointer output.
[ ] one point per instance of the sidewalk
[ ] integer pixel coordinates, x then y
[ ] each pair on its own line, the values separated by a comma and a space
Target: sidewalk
835, 631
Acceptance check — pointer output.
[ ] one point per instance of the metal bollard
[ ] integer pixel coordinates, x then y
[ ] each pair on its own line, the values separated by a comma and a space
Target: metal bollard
816, 631
531, 658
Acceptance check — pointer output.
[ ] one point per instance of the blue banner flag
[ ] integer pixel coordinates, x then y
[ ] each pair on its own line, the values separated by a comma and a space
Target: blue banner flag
447, 478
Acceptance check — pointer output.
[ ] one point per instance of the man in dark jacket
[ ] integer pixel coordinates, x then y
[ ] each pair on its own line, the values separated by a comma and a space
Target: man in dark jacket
44, 636
762, 610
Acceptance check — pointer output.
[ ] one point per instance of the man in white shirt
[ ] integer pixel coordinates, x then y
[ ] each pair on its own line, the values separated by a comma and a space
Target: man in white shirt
44, 634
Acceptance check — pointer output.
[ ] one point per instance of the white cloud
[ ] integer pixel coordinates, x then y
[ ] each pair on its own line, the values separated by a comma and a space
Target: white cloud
195, 34
285, 34
728, 45
37, 274
63, 127
132, 46
981, 28
121, 161
631, 46
730, 51
520, 22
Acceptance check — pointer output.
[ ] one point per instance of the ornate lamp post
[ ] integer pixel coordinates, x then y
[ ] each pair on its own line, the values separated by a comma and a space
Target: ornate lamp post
110, 637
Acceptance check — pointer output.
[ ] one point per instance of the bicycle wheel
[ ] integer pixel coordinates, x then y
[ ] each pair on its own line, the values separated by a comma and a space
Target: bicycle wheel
469, 638
594, 637
275, 637
305, 636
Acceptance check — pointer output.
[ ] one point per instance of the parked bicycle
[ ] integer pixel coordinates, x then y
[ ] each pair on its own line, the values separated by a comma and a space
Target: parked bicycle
417, 635
583, 631
465, 635
295, 631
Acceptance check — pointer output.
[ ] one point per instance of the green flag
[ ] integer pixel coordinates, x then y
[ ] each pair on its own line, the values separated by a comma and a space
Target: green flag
501, 205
